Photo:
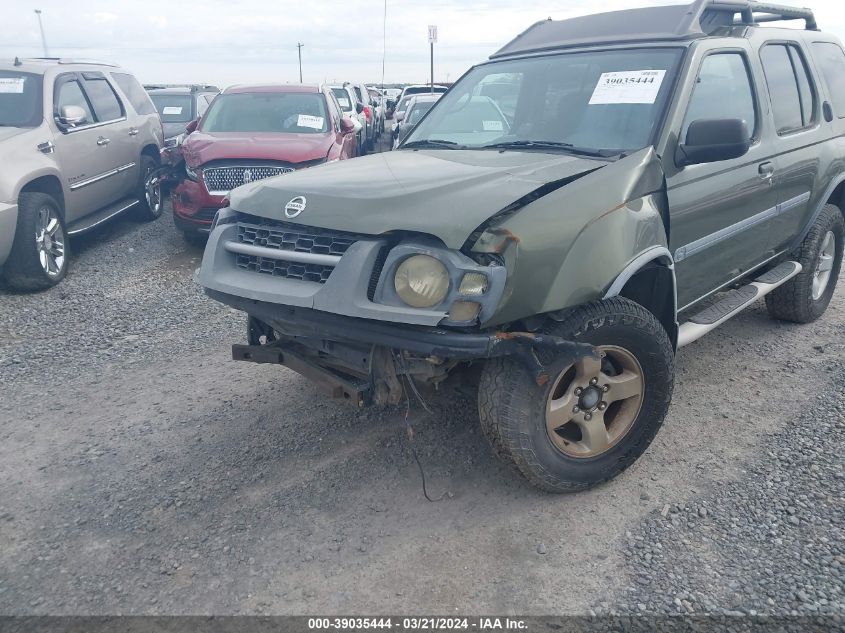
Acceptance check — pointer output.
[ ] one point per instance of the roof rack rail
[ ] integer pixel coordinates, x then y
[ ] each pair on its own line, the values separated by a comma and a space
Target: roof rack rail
750, 13
67, 60
664, 23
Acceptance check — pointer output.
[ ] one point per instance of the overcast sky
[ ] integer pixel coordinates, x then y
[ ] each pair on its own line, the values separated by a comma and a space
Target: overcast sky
226, 42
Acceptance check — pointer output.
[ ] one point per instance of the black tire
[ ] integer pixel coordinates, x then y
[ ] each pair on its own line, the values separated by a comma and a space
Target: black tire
23, 269
151, 204
512, 406
362, 145
195, 238
794, 300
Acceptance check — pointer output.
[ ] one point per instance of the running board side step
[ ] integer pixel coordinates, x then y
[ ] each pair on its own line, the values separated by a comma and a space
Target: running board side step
89, 222
735, 302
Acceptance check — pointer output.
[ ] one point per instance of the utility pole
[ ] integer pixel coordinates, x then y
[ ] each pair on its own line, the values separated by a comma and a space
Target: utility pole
299, 46
432, 38
43, 37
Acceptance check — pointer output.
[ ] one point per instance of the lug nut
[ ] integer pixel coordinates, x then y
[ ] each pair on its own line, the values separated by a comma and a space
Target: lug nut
606, 388
602, 406
575, 409
594, 381
578, 391
588, 416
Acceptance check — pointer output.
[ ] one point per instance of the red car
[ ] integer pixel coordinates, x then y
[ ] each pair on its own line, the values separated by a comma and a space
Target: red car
254, 132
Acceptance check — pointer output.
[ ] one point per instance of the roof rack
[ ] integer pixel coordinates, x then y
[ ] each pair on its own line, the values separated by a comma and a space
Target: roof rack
651, 24
66, 60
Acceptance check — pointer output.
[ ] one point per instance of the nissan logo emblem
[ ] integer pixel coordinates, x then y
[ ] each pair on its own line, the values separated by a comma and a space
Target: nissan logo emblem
295, 207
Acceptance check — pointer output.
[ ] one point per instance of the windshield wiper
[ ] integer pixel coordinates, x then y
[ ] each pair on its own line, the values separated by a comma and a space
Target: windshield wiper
432, 142
569, 147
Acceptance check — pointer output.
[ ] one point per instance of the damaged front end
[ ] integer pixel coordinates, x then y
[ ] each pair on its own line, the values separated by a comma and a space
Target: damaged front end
366, 362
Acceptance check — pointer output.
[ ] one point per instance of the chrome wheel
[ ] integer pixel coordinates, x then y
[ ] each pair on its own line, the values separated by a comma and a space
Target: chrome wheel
594, 403
821, 278
50, 241
152, 190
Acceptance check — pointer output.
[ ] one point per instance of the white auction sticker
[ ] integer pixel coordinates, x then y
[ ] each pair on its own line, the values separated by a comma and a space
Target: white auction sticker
171, 110
492, 126
629, 86
344, 103
306, 120
12, 85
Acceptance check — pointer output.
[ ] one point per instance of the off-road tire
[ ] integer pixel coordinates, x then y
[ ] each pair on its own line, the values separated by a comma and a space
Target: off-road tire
512, 406
143, 210
23, 270
793, 301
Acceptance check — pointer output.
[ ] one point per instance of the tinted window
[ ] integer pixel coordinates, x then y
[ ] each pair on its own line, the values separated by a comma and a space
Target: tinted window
20, 99
134, 92
722, 91
173, 108
832, 62
103, 99
298, 113
789, 87
69, 93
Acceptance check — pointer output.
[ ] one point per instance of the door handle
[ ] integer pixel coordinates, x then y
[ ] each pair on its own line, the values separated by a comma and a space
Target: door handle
103, 141
767, 171
133, 131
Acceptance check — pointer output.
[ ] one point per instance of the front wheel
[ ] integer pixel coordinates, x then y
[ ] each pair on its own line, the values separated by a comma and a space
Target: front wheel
38, 259
595, 417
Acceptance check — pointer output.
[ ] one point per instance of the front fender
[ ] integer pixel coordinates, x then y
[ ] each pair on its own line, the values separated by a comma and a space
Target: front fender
569, 246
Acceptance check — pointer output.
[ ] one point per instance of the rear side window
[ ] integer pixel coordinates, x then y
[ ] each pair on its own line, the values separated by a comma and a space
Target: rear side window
103, 98
20, 99
136, 94
831, 60
793, 100
723, 91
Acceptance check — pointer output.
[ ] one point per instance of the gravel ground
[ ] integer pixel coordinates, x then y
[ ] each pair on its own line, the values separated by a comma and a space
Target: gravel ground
142, 471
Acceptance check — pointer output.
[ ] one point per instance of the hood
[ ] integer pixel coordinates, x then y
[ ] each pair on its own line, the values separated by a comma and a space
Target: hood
445, 193
173, 129
9, 132
201, 147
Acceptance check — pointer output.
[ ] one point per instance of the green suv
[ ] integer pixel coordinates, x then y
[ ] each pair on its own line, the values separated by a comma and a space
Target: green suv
599, 193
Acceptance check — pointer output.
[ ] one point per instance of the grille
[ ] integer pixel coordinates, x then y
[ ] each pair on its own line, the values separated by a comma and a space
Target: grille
289, 270
292, 237
222, 180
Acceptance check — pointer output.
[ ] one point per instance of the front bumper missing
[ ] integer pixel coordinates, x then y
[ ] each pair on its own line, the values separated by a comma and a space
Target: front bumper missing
437, 344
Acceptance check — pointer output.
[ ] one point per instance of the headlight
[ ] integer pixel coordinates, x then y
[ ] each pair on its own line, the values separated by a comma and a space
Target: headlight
421, 281
192, 174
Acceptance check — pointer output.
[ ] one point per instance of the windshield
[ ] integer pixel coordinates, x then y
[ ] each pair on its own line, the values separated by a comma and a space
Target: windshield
173, 108
608, 101
420, 90
280, 112
403, 105
343, 98
20, 99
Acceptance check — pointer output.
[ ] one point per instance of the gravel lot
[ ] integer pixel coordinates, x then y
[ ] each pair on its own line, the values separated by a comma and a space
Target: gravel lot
141, 471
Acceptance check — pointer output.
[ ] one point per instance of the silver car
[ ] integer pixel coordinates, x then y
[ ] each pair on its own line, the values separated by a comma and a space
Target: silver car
80, 143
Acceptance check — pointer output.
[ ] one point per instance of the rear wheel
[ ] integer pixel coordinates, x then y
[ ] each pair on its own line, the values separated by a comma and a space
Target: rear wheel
597, 415
149, 190
38, 259
805, 297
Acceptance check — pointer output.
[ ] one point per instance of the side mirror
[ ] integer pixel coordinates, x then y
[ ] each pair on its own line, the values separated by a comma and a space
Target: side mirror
359, 107
72, 115
713, 140
346, 125
192, 126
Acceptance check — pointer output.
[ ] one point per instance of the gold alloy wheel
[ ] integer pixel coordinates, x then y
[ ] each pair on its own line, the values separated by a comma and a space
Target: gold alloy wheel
593, 403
